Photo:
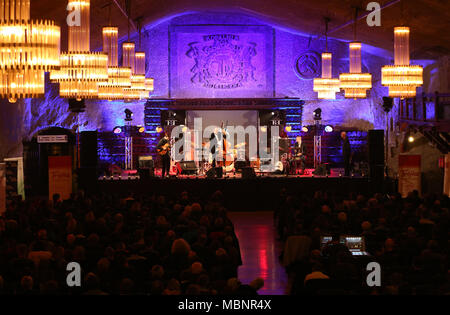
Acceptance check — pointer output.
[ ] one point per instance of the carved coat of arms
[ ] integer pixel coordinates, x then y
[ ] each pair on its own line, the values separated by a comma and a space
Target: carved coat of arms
222, 61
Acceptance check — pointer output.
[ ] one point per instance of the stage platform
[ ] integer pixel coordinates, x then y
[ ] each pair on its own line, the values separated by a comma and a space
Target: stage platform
242, 194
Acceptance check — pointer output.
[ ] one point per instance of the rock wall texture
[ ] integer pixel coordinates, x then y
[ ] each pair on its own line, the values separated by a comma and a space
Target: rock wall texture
294, 55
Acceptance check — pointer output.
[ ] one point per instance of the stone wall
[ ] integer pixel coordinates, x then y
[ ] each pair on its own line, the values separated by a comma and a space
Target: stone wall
22, 120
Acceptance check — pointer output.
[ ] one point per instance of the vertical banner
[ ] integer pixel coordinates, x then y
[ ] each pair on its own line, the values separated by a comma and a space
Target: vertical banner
59, 176
409, 174
2, 188
447, 175
11, 181
19, 175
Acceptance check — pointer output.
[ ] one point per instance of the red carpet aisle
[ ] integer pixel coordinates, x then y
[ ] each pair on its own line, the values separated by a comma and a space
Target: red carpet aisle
260, 251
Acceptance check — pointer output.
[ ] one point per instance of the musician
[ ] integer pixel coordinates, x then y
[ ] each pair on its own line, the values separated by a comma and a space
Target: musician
164, 142
346, 153
300, 153
216, 137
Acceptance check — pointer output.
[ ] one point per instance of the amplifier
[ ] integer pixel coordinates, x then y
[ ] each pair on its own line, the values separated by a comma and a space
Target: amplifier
187, 167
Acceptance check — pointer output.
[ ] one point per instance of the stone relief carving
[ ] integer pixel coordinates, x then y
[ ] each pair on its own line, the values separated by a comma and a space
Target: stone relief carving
307, 65
222, 61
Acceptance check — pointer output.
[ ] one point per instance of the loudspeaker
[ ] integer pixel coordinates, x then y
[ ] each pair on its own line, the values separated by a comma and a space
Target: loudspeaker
146, 162
376, 147
240, 165
215, 172
76, 106
146, 173
322, 170
187, 167
248, 172
376, 155
88, 149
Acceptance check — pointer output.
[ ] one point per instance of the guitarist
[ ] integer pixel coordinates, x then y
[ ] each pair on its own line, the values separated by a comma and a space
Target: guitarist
163, 149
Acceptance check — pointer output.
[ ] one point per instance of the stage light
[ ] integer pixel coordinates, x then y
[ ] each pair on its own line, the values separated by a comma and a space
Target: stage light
117, 130
128, 115
263, 129
305, 129
141, 129
159, 129
328, 129
317, 114
273, 113
288, 128
411, 139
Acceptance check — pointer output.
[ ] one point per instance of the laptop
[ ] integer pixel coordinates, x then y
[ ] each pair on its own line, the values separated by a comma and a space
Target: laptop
324, 240
355, 244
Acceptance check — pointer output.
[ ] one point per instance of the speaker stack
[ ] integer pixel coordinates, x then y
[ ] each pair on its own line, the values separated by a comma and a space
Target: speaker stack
376, 156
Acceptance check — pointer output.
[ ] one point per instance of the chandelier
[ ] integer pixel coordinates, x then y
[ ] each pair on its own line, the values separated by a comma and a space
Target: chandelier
81, 70
355, 83
326, 86
141, 87
118, 77
28, 48
401, 78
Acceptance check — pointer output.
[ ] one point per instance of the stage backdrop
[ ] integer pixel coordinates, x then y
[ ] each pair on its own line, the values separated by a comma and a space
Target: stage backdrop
221, 61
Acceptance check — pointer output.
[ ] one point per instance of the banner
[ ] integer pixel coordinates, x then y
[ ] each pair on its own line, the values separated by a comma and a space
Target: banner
11, 181
2, 188
59, 176
409, 174
19, 175
447, 175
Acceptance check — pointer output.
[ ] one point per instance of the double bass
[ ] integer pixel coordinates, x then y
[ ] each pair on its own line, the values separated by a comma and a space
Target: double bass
227, 162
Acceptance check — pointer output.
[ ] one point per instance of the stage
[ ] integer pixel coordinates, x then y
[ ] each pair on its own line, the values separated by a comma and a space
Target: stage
242, 194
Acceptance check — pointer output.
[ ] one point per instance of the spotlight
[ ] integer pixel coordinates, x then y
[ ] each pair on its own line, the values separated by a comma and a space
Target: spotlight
410, 139
128, 115
141, 129
328, 128
273, 113
317, 114
305, 129
263, 129
159, 129
288, 128
117, 130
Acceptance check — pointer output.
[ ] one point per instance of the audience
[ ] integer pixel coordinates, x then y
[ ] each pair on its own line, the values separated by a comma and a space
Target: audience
150, 244
408, 237
130, 245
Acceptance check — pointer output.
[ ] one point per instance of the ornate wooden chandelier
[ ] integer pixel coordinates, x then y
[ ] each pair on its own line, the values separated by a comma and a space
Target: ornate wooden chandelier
401, 78
118, 77
81, 70
326, 86
28, 49
355, 84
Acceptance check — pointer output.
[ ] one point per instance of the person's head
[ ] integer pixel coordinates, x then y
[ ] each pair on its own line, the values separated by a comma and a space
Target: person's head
343, 135
366, 226
180, 247
157, 272
27, 283
126, 286
196, 268
389, 245
92, 281
257, 284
